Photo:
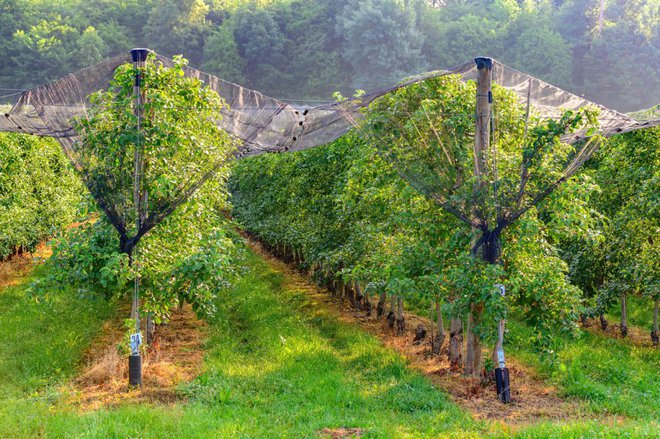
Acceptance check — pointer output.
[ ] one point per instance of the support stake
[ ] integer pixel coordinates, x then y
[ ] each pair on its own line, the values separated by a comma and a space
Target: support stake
135, 361
502, 372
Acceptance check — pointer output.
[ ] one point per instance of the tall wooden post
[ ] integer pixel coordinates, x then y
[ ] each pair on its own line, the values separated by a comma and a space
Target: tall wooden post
502, 383
473, 363
484, 101
481, 148
135, 361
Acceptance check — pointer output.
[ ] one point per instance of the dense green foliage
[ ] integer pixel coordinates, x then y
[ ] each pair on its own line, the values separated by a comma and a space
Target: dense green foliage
622, 258
310, 48
175, 143
629, 172
39, 192
183, 257
345, 208
189, 258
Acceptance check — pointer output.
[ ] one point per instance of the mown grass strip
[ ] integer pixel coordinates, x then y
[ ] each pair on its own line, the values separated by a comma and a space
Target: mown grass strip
277, 366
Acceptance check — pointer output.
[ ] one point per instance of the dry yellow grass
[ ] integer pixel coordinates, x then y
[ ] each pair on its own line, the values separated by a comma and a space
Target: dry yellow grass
175, 356
14, 270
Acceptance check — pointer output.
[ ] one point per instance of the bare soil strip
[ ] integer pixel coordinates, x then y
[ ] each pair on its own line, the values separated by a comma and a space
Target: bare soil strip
175, 356
338, 433
636, 335
533, 400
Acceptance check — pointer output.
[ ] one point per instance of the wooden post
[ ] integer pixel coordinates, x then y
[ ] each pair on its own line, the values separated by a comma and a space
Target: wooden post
135, 361
655, 336
624, 315
481, 142
484, 100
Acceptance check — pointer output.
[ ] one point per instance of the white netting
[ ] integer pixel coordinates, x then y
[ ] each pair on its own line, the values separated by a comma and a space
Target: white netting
265, 124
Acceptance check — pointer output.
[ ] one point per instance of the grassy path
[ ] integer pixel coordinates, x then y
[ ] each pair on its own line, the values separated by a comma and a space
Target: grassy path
277, 365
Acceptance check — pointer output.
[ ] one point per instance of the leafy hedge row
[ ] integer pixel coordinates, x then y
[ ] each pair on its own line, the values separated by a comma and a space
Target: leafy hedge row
342, 211
39, 192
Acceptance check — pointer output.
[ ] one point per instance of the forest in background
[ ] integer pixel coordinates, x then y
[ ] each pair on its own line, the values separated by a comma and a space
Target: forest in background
299, 50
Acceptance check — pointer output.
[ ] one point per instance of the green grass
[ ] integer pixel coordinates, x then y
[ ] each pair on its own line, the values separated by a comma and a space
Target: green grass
42, 339
276, 366
611, 375
300, 372
640, 313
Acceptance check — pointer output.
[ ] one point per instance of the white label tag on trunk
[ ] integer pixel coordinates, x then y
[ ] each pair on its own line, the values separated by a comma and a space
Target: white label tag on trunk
136, 341
500, 358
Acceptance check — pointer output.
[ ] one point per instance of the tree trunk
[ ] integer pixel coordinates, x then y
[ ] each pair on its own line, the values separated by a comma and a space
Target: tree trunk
151, 328
368, 307
439, 339
655, 335
603, 322
380, 309
455, 342
469, 350
400, 319
624, 315
358, 294
431, 325
473, 349
391, 315
350, 292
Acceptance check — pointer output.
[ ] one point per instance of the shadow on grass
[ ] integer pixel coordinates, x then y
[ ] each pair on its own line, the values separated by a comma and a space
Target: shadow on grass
275, 367
271, 356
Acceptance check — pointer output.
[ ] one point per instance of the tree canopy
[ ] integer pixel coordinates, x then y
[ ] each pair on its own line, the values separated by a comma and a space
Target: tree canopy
309, 49
176, 141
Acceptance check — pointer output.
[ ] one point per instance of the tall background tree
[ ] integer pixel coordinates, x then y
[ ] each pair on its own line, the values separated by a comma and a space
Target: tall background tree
309, 49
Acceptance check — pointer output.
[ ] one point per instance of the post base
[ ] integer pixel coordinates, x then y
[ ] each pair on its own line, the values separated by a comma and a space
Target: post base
135, 370
503, 386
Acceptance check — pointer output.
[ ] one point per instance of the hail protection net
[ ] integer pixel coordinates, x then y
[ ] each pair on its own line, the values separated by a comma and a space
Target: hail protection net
258, 124
265, 124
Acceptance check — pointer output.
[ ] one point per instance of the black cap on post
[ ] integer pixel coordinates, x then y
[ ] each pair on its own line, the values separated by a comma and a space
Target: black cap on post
484, 62
139, 54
